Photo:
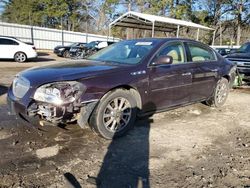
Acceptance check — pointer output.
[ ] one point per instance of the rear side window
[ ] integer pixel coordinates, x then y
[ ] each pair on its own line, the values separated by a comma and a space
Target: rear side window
8, 42
199, 53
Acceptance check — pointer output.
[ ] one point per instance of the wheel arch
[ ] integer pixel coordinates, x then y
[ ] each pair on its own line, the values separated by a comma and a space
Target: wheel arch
133, 90
92, 119
228, 77
26, 57
20, 52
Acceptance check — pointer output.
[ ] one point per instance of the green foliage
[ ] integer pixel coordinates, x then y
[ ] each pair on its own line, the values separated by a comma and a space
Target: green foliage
23, 11
48, 13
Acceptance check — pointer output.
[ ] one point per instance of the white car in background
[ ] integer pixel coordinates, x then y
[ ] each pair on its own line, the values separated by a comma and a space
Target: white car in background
12, 48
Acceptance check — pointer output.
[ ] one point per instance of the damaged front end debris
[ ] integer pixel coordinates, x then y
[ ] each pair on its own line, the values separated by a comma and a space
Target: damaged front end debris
60, 103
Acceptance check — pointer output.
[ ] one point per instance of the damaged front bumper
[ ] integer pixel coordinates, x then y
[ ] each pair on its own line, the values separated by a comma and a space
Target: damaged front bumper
38, 113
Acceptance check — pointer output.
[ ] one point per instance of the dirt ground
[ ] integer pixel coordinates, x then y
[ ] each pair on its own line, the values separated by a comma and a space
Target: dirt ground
193, 146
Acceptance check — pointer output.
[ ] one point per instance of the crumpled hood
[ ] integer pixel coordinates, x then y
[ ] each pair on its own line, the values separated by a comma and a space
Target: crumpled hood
67, 71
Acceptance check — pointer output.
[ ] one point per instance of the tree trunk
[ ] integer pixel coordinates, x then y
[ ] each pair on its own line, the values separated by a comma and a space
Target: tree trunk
239, 24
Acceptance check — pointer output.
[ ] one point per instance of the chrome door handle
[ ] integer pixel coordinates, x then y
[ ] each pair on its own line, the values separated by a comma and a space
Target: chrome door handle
186, 74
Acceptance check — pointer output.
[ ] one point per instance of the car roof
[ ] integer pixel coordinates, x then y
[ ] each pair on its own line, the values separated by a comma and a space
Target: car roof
2, 36
166, 39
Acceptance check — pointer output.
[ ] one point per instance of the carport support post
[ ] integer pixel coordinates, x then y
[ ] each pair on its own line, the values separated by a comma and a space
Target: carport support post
86, 34
198, 33
153, 29
213, 37
32, 34
62, 31
178, 31
62, 38
109, 32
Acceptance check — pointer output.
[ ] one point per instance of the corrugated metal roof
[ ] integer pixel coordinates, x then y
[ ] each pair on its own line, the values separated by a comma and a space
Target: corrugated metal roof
144, 21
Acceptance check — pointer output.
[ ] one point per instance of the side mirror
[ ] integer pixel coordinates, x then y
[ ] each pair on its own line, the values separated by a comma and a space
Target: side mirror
163, 60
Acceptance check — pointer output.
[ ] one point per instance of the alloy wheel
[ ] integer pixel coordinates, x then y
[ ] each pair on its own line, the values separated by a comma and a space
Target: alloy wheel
117, 114
20, 57
221, 93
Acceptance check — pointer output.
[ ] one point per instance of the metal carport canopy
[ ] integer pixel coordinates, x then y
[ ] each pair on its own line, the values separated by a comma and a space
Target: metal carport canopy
155, 23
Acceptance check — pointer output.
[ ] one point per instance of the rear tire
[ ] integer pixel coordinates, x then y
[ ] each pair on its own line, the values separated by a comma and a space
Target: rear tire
20, 57
115, 114
220, 94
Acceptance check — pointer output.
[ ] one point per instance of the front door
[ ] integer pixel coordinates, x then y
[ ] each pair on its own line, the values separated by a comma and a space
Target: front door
170, 85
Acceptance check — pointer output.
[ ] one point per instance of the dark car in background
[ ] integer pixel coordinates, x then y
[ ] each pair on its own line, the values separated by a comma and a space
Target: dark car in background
63, 51
88, 49
242, 59
223, 51
108, 90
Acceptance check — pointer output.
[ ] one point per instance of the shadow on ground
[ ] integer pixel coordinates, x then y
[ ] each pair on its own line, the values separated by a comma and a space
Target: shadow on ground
4, 60
43, 54
126, 162
3, 89
71, 181
41, 59
38, 59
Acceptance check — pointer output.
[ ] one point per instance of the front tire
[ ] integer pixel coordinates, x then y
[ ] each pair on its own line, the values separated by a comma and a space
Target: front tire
20, 57
220, 94
66, 54
115, 114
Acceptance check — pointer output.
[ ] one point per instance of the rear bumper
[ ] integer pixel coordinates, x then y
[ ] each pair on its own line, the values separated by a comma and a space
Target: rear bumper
32, 55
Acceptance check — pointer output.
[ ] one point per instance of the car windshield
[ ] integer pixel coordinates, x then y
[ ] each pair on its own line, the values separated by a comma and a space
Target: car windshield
125, 52
92, 44
244, 48
74, 44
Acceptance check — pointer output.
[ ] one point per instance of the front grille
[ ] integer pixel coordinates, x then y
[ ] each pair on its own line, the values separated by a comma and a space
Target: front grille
20, 86
247, 61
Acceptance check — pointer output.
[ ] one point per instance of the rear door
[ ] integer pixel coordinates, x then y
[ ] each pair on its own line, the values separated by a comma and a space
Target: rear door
170, 85
8, 48
205, 70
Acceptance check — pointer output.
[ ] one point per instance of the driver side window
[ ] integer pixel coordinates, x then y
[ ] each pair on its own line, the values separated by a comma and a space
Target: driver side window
175, 50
